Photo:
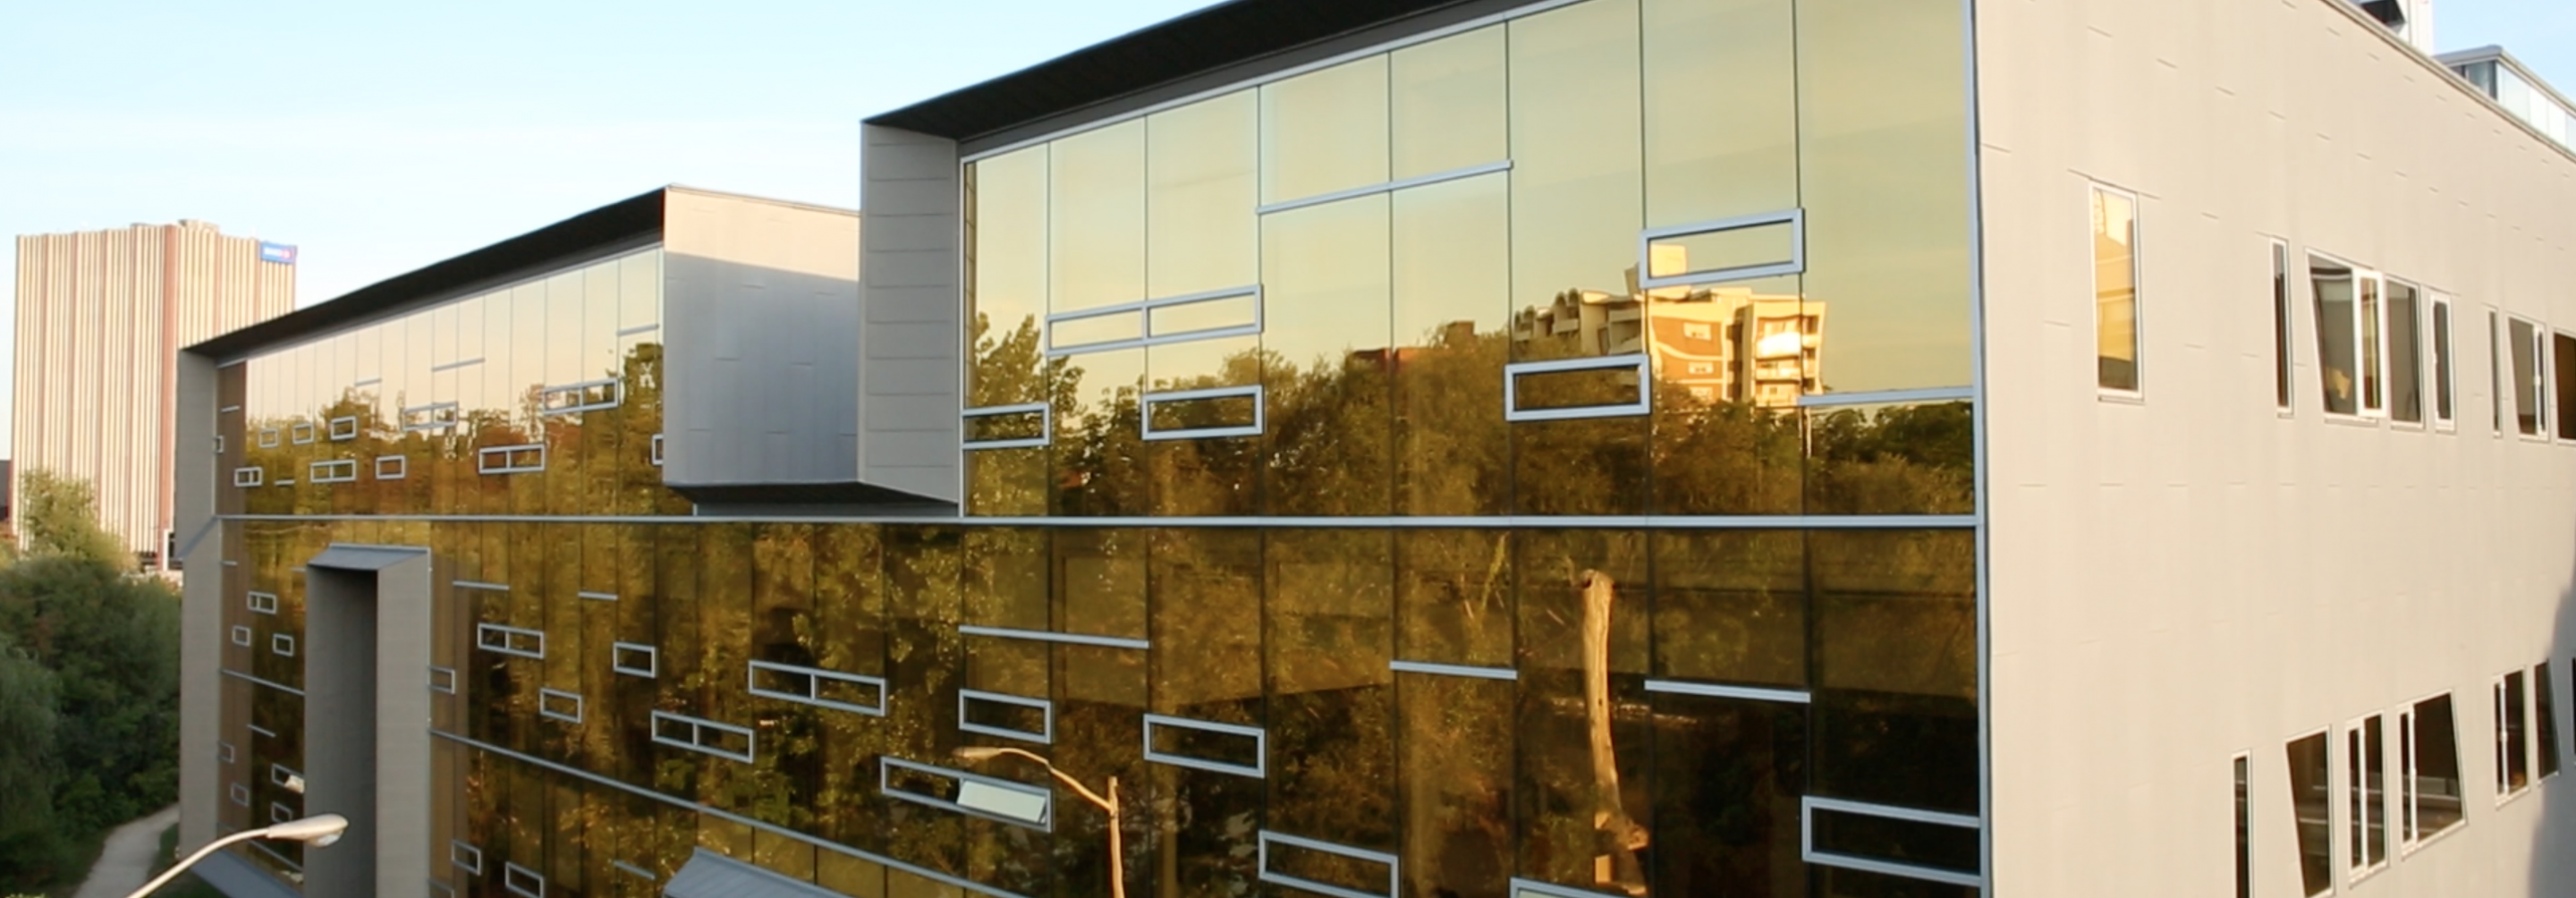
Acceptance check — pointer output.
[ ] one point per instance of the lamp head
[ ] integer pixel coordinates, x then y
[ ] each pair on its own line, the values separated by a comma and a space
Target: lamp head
317, 831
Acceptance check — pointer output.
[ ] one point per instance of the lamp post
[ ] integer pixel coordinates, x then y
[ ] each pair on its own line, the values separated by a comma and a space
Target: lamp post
316, 831
1117, 851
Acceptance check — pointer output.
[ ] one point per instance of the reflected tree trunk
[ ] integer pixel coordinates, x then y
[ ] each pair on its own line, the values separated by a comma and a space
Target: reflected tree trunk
1620, 867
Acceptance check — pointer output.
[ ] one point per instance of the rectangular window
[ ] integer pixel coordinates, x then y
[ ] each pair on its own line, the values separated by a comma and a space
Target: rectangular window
589, 395
1324, 868
2523, 348
301, 433
2281, 324
522, 881
2544, 719
722, 740
249, 476
268, 438
337, 471
559, 705
1204, 745
240, 794
1019, 804
442, 679
2244, 830
434, 416
278, 812
1204, 414
2445, 388
466, 857
344, 428
241, 636
281, 644
280, 775
1731, 250
2562, 382
635, 660
2405, 352
818, 687
1009, 426
522, 459
2115, 289
392, 467
224, 752
1006, 716
2312, 806
2365, 779
263, 603
2429, 749
1615, 386
2513, 735
510, 640
2346, 372
657, 450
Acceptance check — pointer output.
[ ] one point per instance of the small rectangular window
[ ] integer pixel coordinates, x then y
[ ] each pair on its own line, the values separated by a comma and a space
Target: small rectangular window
815, 686
301, 433
722, 740
2513, 735
442, 679
240, 794
241, 636
635, 660
1019, 804
559, 705
522, 881
466, 857
522, 459
1203, 316
344, 428
268, 437
1325, 868
1614, 386
249, 476
1203, 414
2312, 806
590, 395
263, 603
2445, 388
2365, 782
2115, 289
2544, 719
657, 450
219, 444
1095, 330
595, 596
1909, 842
2525, 372
392, 467
2562, 381
280, 775
434, 416
335, 471
1006, 716
282, 644
2495, 374
1207, 745
2405, 353
2428, 741
510, 640
1731, 250
224, 752
278, 812
2244, 830
1009, 426
2281, 325
2333, 287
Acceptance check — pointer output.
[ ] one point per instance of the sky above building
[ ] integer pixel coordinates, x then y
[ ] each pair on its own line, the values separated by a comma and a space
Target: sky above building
383, 137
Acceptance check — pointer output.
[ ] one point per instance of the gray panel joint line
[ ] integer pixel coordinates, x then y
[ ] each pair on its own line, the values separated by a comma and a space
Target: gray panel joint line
1115, 642
281, 687
1455, 174
1712, 690
720, 813
1454, 670
1446, 522
1887, 397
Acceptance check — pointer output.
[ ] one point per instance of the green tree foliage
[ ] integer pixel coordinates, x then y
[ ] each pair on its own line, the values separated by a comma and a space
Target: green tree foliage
89, 686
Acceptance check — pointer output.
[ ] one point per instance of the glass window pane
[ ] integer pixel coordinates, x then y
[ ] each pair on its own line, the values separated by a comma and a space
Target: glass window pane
2562, 382
1917, 458
2545, 717
2281, 324
2433, 779
1584, 783
2115, 289
2338, 364
2525, 350
1324, 131
1446, 102
1719, 153
1096, 218
2374, 365
2405, 353
1731, 606
2311, 807
2442, 388
1453, 597
1894, 647
1451, 289
1325, 275
2513, 735
1006, 297
1199, 196
2244, 834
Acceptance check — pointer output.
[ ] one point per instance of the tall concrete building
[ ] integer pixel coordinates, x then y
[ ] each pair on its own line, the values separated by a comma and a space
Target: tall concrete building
101, 318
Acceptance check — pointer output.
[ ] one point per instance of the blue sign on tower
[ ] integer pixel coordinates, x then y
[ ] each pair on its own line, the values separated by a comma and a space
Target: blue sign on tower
276, 252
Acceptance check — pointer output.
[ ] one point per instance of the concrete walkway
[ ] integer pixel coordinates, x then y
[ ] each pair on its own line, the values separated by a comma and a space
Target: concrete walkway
132, 851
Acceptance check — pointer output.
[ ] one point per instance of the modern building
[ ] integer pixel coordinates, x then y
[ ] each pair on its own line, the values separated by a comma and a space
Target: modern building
101, 318
1247, 457
2504, 79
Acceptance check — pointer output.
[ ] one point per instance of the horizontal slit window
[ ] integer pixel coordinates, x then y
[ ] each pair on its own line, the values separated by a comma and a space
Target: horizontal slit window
466, 857
263, 603
657, 450
522, 881
442, 679
1007, 716
282, 644
224, 752
241, 635
301, 433
337, 471
249, 476
278, 812
559, 705
268, 438
1019, 804
586, 396
822, 688
279, 775
635, 660
1009, 426
522, 459
392, 467
240, 794
434, 416
722, 740
1203, 316
1204, 414
1323, 867
510, 640
1895, 841
219, 444
1207, 745
1095, 331
1733, 249
344, 428
1592, 387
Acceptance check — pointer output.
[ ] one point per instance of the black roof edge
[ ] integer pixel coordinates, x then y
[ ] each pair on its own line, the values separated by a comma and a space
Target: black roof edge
1217, 37
615, 225
835, 499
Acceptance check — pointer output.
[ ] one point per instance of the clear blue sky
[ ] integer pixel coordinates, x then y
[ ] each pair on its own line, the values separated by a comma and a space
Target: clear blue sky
381, 137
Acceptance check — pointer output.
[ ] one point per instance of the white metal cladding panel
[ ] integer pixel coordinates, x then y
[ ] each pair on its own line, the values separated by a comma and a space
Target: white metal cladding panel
762, 306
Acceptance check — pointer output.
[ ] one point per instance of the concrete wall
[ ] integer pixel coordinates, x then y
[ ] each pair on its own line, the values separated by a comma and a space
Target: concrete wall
908, 408
761, 333
201, 612
2179, 579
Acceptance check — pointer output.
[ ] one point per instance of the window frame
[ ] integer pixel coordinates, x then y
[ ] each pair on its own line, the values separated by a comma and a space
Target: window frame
2543, 723
2137, 294
2411, 836
2495, 373
2389, 372
2558, 423
2285, 316
2298, 851
2505, 739
2442, 334
2359, 799
2541, 369
2369, 357
2242, 765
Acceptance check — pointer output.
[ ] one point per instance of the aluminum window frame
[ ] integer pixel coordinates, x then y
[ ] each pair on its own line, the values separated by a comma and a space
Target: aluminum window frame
2357, 798
458, 850
429, 418
2442, 335
238, 793
1256, 392
2242, 766
1808, 805
339, 436
511, 873
334, 470
282, 775
278, 812
2137, 291
615, 396
1046, 426
257, 476
1265, 838
2505, 791
657, 450
1260, 746
698, 726
225, 753
301, 433
2388, 360
507, 645
1641, 363
1044, 736
886, 764
1114, 642
271, 438
402, 467
253, 601
1144, 312
281, 644
1795, 218
546, 693
2409, 800
652, 668
511, 459
442, 679
814, 686
2361, 354
2496, 363
2542, 367
241, 636
2285, 321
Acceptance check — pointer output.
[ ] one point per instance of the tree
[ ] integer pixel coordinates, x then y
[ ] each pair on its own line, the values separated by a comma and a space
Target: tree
59, 516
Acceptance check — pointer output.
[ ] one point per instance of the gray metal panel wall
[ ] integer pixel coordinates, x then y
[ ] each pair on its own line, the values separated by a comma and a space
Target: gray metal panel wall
914, 337
761, 334
201, 606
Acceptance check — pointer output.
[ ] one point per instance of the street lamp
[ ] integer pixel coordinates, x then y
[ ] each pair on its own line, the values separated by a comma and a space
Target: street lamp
316, 831
1117, 853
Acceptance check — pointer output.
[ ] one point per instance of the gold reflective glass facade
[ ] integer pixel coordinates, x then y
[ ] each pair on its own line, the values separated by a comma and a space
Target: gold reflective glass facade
1374, 251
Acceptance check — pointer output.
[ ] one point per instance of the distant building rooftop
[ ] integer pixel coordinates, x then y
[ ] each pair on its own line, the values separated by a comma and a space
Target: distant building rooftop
2512, 85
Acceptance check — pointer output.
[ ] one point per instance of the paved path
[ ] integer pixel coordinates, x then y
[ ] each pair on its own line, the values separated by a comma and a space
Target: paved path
132, 851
